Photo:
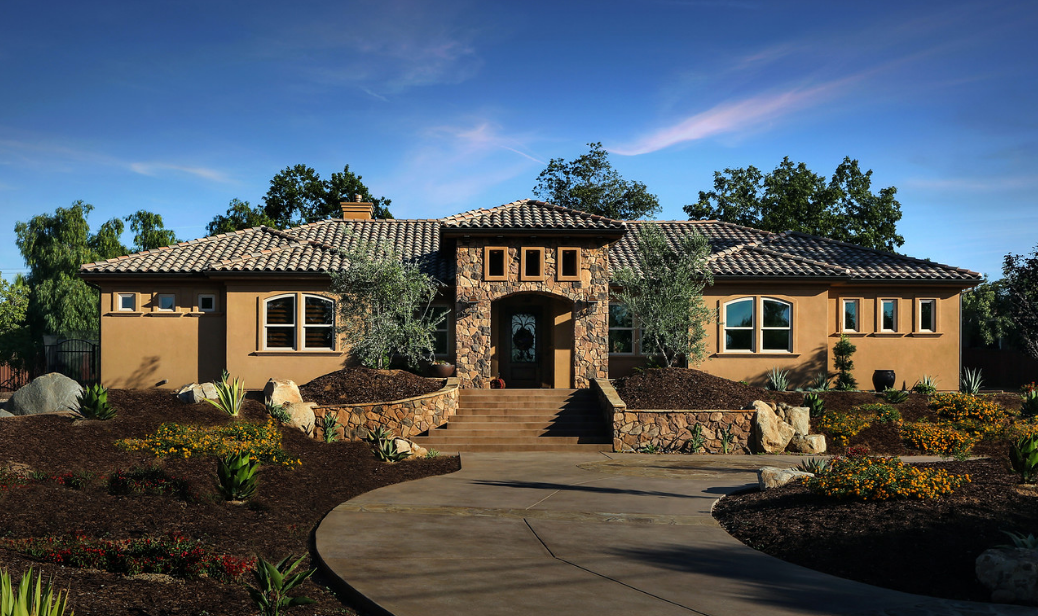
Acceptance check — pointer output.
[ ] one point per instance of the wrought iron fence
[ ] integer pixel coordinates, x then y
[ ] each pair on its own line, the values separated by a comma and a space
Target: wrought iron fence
77, 359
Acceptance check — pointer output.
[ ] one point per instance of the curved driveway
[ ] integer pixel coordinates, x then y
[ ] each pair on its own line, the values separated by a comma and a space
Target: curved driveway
574, 534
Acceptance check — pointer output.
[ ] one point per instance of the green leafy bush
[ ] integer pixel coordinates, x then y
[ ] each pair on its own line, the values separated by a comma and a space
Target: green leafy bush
273, 581
93, 403
1023, 456
29, 599
237, 476
926, 386
842, 352
1029, 404
884, 413
278, 412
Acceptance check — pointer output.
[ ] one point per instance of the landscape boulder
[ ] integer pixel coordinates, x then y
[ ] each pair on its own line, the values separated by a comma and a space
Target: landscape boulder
281, 392
302, 416
797, 416
769, 433
773, 477
193, 392
4, 413
1011, 574
413, 450
50, 393
813, 444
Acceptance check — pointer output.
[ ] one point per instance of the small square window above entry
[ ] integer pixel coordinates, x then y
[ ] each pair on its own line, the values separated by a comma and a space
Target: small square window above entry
533, 264
569, 264
495, 263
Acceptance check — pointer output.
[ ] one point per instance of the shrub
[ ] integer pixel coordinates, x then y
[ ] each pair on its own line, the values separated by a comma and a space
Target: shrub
171, 554
884, 413
843, 426
927, 386
941, 439
93, 403
962, 407
237, 476
971, 381
273, 582
895, 396
778, 380
842, 352
1029, 404
28, 599
1023, 456
152, 480
230, 395
260, 441
865, 478
278, 412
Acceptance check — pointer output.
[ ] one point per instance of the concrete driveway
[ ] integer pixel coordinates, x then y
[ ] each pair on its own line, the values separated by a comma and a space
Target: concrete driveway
575, 534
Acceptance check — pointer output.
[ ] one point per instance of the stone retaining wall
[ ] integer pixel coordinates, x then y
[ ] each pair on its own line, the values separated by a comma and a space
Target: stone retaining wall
405, 418
670, 430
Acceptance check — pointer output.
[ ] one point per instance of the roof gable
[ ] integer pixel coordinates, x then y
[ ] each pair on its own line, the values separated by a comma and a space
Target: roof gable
528, 214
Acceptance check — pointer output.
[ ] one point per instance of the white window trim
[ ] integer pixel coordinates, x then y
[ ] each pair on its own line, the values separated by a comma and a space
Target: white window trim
301, 310
843, 314
634, 341
789, 328
752, 328
919, 315
158, 302
880, 314
209, 295
294, 326
119, 302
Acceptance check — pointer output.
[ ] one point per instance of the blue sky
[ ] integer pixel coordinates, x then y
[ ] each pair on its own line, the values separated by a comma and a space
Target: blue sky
178, 107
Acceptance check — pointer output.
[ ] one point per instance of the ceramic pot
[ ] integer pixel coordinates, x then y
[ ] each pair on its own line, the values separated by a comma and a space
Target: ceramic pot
883, 379
441, 371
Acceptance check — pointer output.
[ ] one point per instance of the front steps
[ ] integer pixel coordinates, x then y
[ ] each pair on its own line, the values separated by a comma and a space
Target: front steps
522, 420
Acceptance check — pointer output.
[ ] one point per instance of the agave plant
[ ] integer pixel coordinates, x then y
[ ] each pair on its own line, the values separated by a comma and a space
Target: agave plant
93, 403
815, 403
273, 581
813, 465
230, 395
821, 382
1023, 456
778, 380
1029, 541
278, 412
382, 443
329, 424
696, 440
727, 436
28, 599
971, 381
895, 396
237, 475
926, 386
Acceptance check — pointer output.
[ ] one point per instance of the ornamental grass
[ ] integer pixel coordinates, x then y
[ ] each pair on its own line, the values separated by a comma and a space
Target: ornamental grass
860, 477
261, 442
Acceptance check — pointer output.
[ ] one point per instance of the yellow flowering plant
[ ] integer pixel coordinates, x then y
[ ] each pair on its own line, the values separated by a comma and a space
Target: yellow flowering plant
261, 442
861, 477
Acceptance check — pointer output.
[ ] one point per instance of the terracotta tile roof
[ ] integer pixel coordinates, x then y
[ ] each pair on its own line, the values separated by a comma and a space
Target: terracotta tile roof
531, 214
735, 251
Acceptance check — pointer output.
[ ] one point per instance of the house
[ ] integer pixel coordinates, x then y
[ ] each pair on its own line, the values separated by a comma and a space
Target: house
528, 298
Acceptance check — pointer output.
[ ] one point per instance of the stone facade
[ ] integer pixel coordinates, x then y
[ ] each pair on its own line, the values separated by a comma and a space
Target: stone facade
670, 430
589, 296
404, 418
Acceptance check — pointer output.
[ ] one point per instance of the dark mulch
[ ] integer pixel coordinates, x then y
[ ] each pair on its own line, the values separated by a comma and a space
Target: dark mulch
357, 385
925, 547
277, 522
679, 388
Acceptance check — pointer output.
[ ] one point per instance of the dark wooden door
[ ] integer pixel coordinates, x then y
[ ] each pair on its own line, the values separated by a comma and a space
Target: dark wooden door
524, 346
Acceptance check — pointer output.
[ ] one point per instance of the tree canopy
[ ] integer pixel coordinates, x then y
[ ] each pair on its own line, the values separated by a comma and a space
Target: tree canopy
298, 195
240, 215
590, 184
15, 340
793, 198
148, 231
1020, 275
665, 294
986, 314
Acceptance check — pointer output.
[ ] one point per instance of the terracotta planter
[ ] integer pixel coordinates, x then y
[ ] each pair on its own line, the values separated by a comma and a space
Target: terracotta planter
883, 379
441, 371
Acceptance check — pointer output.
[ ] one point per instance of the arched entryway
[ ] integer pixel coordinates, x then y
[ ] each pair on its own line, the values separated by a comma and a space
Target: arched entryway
532, 340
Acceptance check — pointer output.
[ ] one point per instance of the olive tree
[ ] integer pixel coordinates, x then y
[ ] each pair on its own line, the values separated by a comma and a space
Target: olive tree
385, 307
1021, 284
664, 292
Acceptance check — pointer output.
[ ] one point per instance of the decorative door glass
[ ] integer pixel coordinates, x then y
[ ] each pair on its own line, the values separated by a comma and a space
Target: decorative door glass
524, 338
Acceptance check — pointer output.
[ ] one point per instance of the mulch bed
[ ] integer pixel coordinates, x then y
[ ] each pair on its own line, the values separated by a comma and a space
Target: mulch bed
678, 388
926, 547
277, 522
357, 385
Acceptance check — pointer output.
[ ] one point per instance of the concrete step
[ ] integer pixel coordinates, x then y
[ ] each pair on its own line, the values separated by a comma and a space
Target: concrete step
522, 419
444, 438
522, 423
476, 447
525, 404
541, 412
526, 433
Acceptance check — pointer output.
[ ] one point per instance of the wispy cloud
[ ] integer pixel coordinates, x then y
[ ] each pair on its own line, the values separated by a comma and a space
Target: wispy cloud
154, 168
986, 184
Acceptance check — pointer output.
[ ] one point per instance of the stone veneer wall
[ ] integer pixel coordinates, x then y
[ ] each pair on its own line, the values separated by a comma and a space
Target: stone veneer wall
405, 418
669, 429
474, 296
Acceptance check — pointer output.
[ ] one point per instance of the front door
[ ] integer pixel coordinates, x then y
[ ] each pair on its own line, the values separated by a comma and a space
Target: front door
524, 348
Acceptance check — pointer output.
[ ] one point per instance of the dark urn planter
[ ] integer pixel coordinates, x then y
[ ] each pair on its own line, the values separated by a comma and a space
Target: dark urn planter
441, 371
883, 379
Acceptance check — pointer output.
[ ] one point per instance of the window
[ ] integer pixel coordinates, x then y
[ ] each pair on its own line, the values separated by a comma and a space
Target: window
318, 323
495, 263
280, 322
126, 302
621, 330
927, 315
207, 303
569, 264
888, 315
738, 325
851, 316
441, 334
166, 302
532, 264
776, 329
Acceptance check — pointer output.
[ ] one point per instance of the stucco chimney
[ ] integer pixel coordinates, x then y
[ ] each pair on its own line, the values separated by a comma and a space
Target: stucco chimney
357, 209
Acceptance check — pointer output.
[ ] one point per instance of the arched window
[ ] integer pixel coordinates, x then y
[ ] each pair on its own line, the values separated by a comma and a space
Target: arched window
279, 322
318, 322
738, 325
776, 325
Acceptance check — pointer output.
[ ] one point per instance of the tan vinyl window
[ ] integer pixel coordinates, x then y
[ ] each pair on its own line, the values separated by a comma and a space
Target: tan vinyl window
776, 325
318, 323
850, 315
165, 302
927, 311
887, 316
279, 322
495, 263
532, 266
738, 325
126, 302
569, 264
